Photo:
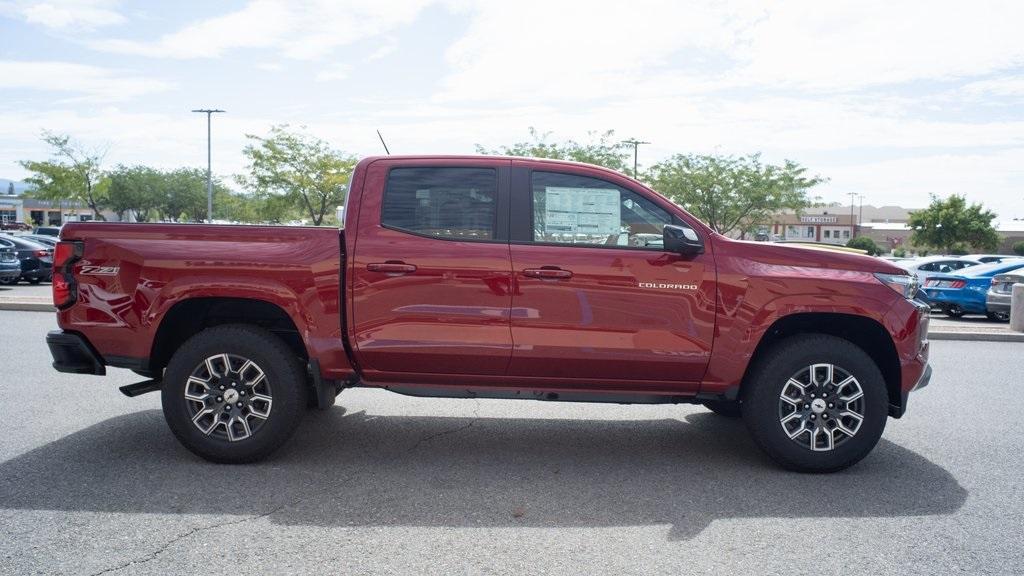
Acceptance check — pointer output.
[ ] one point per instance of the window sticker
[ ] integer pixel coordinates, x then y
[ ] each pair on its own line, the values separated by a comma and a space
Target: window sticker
590, 211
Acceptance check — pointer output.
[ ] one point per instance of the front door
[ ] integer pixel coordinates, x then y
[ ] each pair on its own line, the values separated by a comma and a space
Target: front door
432, 274
596, 296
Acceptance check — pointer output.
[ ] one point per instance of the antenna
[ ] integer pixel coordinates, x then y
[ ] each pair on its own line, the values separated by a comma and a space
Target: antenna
383, 143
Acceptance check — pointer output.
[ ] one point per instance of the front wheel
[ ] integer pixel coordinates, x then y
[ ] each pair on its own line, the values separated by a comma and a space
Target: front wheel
816, 403
998, 316
954, 311
233, 393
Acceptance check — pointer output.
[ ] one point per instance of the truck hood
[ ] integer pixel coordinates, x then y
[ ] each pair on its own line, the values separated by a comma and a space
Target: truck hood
811, 257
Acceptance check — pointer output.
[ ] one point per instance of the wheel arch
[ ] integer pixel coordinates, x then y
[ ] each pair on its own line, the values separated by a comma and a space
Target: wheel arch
192, 315
866, 333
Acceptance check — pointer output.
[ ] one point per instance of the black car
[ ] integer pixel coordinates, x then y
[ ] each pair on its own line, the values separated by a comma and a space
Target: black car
36, 259
50, 241
10, 268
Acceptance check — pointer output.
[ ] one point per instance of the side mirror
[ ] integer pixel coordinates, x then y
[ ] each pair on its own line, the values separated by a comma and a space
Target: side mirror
681, 240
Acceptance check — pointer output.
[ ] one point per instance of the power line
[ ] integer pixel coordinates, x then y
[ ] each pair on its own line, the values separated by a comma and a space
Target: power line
636, 145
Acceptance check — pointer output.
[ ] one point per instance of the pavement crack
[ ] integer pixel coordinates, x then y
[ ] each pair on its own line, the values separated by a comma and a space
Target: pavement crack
195, 530
429, 437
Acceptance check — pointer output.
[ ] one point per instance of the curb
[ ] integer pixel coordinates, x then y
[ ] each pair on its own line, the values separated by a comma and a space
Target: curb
934, 335
978, 336
27, 306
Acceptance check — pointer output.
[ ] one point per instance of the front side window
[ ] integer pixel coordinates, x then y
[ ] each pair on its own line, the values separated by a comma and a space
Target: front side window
452, 203
570, 209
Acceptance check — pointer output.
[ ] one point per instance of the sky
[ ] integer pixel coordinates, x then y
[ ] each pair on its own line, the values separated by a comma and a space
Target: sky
895, 101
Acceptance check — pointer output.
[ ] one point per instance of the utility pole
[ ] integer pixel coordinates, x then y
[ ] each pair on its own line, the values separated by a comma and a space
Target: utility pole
636, 145
860, 216
209, 162
853, 223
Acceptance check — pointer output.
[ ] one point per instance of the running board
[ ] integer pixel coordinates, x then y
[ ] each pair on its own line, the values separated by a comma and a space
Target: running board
140, 388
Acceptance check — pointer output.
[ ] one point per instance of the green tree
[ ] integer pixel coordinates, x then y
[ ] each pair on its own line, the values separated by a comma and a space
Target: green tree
136, 191
73, 173
601, 149
951, 224
10, 188
866, 244
1018, 248
299, 167
733, 193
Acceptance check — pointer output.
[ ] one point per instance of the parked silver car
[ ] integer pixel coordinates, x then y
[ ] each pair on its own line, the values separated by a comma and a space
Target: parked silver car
997, 301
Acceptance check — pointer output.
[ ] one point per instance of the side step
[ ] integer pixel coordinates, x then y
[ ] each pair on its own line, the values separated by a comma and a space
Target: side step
140, 388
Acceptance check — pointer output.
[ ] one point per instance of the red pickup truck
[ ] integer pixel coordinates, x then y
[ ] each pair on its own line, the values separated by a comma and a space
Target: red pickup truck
489, 277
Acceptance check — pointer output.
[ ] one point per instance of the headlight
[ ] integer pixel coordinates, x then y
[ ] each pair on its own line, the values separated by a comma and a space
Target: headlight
905, 285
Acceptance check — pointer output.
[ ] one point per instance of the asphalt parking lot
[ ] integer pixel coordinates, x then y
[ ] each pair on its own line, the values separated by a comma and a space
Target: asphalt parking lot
92, 482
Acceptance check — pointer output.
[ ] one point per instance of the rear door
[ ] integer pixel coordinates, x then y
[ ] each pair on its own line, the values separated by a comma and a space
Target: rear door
431, 269
596, 296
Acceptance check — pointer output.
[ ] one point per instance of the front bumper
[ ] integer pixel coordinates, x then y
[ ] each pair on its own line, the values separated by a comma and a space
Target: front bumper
73, 354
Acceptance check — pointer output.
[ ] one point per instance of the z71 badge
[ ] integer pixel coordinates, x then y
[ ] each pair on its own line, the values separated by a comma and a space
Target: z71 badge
99, 270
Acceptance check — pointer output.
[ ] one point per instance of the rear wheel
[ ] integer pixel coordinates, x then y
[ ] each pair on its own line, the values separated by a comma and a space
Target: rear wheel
954, 311
816, 403
233, 393
36, 280
998, 316
11, 281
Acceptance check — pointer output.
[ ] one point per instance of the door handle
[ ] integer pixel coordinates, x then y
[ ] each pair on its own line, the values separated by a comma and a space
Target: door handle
548, 273
391, 267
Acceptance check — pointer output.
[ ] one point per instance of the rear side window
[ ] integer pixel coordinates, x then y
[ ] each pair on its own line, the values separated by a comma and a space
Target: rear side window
453, 203
579, 210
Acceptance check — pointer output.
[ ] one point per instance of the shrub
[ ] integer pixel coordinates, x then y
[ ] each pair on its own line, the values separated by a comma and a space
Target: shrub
1018, 248
864, 243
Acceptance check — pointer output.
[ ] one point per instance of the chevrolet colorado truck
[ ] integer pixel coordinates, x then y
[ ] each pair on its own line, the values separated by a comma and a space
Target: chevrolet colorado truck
490, 277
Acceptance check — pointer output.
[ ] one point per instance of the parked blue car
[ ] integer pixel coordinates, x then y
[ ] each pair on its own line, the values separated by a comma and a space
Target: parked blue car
964, 292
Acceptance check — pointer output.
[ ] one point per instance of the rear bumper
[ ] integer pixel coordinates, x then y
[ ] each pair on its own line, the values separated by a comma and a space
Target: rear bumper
998, 302
9, 273
73, 354
42, 271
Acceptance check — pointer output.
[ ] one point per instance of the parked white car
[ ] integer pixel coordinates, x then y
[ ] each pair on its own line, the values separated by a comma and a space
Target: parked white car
928, 266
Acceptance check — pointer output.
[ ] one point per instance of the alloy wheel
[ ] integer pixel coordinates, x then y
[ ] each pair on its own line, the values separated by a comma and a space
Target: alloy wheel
821, 407
228, 397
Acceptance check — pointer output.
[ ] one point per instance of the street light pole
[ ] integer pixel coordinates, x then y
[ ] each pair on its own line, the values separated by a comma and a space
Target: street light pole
209, 162
636, 145
853, 223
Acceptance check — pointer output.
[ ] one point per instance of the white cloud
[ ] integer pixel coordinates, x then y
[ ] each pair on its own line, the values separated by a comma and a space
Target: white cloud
577, 50
89, 83
66, 14
305, 30
333, 72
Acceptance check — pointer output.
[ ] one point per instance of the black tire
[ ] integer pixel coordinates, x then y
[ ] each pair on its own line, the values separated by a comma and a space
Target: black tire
998, 316
281, 369
723, 408
954, 311
8, 281
762, 410
34, 280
